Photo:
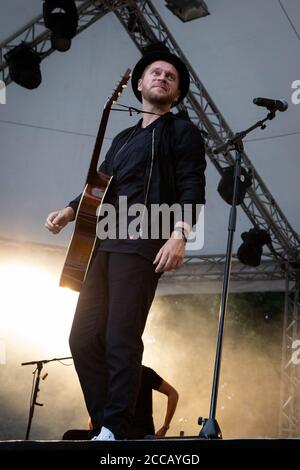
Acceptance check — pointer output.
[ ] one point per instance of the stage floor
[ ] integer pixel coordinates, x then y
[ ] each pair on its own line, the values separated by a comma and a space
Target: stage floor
186, 450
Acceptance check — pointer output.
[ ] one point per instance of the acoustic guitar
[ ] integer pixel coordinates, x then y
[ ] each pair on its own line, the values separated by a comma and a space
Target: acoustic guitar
83, 240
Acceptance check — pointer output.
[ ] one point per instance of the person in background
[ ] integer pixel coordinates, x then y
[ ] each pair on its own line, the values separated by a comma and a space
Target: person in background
142, 424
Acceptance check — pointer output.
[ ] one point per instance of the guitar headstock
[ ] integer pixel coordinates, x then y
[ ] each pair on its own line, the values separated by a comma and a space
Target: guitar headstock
118, 90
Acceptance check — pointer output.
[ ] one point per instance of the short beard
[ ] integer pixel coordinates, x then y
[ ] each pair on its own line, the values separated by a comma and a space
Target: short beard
157, 99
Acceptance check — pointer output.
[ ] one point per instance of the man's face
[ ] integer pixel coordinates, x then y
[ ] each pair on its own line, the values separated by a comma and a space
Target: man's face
160, 83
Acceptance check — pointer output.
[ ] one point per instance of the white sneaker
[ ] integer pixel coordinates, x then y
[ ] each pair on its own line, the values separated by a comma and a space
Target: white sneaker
104, 435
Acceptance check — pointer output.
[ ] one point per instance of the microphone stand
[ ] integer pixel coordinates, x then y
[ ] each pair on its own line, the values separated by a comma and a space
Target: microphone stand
210, 427
33, 402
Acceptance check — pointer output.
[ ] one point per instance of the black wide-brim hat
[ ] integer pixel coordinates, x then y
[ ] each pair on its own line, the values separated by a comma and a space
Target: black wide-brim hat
149, 58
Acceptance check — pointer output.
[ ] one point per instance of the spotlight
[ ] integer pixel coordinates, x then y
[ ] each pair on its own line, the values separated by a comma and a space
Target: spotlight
63, 24
24, 66
225, 187
187, 10
250, 251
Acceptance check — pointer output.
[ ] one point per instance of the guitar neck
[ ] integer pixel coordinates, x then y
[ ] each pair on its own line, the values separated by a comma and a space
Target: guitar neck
92, 172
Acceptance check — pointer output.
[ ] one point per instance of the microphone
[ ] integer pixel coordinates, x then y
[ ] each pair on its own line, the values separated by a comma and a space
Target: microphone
271, 105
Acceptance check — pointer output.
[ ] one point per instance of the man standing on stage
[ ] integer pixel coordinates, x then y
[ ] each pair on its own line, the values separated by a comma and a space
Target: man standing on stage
158, 161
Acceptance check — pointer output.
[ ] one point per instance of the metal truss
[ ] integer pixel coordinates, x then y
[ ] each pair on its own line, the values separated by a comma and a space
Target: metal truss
289, 419
211, 268
38, 36
144, 25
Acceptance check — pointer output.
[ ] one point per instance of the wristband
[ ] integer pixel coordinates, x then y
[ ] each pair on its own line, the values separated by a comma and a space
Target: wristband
182, 231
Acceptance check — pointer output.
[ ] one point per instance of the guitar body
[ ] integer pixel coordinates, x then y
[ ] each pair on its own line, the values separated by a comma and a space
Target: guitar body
83, 240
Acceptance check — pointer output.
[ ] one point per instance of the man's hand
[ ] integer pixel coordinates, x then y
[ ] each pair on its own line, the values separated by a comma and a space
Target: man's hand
171, 254
57, 220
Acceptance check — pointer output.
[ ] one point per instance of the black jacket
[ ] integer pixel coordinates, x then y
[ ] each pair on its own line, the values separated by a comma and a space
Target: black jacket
178, 167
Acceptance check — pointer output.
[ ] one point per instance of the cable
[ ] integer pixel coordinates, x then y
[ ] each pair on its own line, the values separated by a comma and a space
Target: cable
51, 129
272, 137
289, 19
64, 364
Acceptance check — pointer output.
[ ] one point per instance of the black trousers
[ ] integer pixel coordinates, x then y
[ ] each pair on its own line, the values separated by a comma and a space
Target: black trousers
106, 335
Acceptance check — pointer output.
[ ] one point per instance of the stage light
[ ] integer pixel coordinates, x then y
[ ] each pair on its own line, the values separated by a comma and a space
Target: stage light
26, 315
225, 187
187, 10
250, 251
63, 24
24, 66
